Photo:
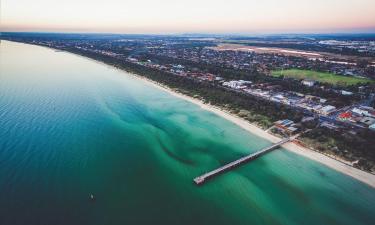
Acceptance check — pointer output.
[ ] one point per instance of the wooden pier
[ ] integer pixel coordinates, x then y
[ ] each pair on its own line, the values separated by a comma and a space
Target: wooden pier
201, 179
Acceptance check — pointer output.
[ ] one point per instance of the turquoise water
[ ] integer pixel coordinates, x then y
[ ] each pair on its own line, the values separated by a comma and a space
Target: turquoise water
70, 127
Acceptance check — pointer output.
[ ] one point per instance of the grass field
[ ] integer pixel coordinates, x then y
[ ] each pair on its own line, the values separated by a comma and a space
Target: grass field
321, 77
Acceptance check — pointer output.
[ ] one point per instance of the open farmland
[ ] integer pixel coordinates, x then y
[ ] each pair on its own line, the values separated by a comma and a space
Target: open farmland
321, 77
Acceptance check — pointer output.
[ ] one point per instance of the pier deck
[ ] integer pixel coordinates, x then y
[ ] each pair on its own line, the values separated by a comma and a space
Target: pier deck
201, 179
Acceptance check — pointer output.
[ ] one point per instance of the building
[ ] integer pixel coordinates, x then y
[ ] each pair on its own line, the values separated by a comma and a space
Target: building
346, 93
364, 111
283, 123
368, 121
345, 116
286, 126
240, 84
330, 126
326, 110
307, 119
309, 83
278, 98
372, 127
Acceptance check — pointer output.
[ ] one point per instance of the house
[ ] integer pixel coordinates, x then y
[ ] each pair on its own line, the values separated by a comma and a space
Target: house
326, 110
291, 130
330, 126
178, 67
358, 111
236, 84
283, 123
317, 108
278, 98
346, 93
286, 126
307, 119
368, 121
132, 59
364, 111
372, 127
309, 83
245, 82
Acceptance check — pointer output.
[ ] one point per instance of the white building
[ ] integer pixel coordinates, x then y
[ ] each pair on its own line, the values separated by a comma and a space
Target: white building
326, 110
347, 93
364, 111
240, 84
308, 83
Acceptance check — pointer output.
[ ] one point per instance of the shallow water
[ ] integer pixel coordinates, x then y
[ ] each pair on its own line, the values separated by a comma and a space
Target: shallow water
70, 127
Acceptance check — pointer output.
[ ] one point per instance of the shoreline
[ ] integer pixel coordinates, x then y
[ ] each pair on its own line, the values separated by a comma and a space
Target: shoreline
342, 167
329, 161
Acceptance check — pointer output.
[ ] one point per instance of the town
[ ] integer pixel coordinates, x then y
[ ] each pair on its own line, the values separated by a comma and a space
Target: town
326, 92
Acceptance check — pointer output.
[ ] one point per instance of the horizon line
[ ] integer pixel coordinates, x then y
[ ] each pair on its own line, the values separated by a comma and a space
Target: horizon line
199, 33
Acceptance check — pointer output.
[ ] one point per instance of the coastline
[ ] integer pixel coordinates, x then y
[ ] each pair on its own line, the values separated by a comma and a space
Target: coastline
328, 161
342, 167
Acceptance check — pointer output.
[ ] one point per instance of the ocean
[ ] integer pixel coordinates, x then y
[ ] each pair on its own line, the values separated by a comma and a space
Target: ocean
71, 127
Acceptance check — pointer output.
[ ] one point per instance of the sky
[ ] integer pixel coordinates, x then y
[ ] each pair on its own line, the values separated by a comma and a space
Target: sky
189, 16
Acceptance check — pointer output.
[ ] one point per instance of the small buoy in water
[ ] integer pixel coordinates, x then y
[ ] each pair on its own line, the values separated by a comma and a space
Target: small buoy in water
92, 198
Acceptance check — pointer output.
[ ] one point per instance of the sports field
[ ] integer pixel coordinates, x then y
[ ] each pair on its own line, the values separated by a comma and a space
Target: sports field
321, 77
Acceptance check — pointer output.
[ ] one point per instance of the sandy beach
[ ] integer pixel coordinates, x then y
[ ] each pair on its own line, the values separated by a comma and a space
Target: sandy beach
339, 166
